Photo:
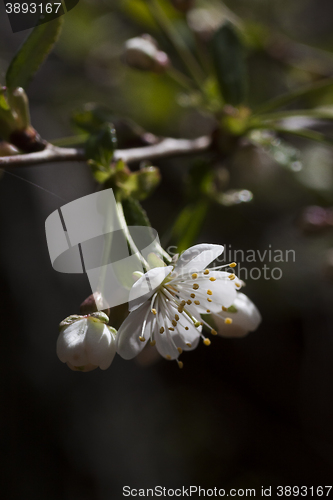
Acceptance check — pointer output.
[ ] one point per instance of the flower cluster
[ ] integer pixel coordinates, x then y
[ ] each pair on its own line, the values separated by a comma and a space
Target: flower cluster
168, 308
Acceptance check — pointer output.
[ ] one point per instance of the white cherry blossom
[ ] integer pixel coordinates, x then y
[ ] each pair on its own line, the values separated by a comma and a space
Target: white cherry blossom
86, 342
245, 318
166, 304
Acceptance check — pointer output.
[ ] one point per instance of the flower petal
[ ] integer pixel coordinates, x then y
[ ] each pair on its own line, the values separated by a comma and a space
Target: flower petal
197, 258
128, 343
245, 320
100, 344
71, 343
147, 285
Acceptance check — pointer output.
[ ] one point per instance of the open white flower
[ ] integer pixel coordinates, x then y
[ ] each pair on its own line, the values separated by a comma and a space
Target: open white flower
166, 304
86, 342
245, 318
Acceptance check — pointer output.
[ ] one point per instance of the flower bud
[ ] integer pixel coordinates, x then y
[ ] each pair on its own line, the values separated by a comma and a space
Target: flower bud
244, 315
7, 149
142, 53
86, 342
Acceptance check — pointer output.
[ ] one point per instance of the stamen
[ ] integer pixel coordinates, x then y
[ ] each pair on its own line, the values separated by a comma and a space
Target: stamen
207, 342
180, 364
206, 271
209, 292
174, 322
238, 285
209, 300
168, 357
189, 302
162, 329
197, 302
195, 286
142, 339
188, 344
224, 308
213, 332
170, 328
194, 276
233, 264
176, 317
186, 328
228, 321
180, 350
152, 342
154, 311
192, 295
231, 277
208, 310
212, 279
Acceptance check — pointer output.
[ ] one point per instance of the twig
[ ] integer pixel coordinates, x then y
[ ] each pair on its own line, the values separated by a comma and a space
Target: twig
166, 147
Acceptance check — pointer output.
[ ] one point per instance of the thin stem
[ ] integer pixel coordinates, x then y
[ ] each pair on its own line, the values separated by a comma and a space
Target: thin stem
180, 78
185, 54
129, 238
70, 141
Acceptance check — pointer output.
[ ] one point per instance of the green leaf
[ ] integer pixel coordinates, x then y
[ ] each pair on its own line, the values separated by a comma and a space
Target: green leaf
32, 53
228, 58
99, 150
135, 215
91, 117
188, 225
140, 184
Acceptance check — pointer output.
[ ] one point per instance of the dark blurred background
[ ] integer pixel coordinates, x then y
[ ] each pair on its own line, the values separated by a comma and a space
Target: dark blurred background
243, 413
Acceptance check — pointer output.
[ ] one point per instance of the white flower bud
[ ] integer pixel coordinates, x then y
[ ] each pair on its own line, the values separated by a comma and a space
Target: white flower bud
143, 53
86, 342
245, 318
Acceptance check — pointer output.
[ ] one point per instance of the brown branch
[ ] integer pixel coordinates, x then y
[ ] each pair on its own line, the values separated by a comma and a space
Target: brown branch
166, 147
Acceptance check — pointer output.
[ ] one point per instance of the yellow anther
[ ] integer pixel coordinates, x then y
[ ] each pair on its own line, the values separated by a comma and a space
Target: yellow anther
231, 277
233, 264
212, 279
209, 292
174, 322
186, 328
194, 276
192, 295
188, 344
154, 311
207, 342
209, 300
213, 332
172, 329
180, 350
197, 302
195, 286
168, 357
206, 271
180, 364
180, 309
142, 339
228, 321
238, 285
189, 302
183, 302
224, 308
176, 317
152, 342
162, 329
208, 310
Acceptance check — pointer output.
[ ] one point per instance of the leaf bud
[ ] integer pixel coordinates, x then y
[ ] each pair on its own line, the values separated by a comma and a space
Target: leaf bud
142, 53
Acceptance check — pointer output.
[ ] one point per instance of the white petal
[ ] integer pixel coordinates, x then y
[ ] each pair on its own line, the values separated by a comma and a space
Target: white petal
197, 258
100, 344
127, 340
245, 320
71, 343
146, 286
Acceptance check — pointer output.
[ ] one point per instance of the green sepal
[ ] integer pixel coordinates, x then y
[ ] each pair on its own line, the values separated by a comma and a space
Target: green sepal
69, 320
100, 316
